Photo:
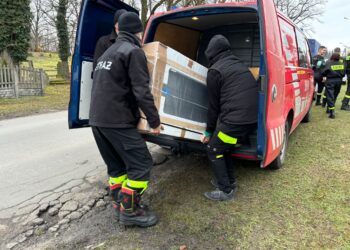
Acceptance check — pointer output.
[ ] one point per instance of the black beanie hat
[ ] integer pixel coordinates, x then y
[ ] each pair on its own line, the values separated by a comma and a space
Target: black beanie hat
117, 14
130, 22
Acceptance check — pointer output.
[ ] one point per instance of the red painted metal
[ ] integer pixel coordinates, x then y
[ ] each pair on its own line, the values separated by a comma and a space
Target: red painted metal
293, 84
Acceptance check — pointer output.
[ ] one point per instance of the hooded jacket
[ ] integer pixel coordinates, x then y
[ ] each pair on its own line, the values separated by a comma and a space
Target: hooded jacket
121, 86
232, 89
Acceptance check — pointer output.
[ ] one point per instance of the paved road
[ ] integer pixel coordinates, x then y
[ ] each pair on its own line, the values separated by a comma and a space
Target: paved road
39, 156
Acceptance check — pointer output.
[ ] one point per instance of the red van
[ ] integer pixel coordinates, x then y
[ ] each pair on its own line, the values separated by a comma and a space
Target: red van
259, 34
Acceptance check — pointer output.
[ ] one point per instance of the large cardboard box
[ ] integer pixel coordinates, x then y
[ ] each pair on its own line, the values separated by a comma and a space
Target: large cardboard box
178, 85
179, 88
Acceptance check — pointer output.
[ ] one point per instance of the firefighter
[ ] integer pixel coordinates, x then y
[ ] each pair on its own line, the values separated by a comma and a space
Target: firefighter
106, 41
232, 113
318, 64
334, 73
120, 88
345, 103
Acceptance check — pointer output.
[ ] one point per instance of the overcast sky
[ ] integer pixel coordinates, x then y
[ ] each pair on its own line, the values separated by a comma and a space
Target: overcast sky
334, 29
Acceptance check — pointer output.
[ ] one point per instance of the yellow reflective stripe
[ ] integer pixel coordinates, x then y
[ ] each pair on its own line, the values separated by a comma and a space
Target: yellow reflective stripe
324, 96
117, 180
341, 60
137, 184
319, 93
348, 58
226, 138
347, 96
331, 108
219, 156
337, 67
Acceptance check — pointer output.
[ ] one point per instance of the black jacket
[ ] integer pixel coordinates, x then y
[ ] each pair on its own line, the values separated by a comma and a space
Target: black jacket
121, 86
334, 70
319, 63
347, 65
232, 89
103, 44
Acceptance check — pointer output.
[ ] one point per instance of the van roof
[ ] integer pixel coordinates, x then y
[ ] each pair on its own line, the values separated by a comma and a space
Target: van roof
231, 4
251, 4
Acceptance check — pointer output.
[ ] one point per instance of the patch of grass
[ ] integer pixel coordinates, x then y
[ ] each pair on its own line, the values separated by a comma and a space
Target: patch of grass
56, 98
305, 205
48, 62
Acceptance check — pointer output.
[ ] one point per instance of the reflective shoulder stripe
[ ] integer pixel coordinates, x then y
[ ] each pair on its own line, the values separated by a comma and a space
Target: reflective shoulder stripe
226, 138
219, 156
337, 67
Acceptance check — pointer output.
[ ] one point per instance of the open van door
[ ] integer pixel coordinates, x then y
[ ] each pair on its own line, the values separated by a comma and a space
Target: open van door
272, 125
95, 20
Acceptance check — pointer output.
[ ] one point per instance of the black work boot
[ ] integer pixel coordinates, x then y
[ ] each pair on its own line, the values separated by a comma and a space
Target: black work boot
115, 193
345, 107
131, 213
331, 114
218, 195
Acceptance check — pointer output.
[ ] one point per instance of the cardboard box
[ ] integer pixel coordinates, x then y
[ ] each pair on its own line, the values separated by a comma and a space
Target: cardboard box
178, 85
179, 88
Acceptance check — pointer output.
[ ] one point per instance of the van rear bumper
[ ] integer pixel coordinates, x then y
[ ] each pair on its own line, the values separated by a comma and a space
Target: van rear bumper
185, 146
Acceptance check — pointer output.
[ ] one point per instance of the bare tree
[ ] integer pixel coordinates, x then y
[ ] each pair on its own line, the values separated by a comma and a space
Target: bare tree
302, 11
49, 9
72, 20
37, 27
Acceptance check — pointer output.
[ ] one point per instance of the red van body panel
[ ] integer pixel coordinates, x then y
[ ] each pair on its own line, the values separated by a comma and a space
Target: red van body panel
289, 87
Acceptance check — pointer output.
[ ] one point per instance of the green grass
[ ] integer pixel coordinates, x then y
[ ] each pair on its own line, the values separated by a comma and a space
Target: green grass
305, 205
56, 98
48, 62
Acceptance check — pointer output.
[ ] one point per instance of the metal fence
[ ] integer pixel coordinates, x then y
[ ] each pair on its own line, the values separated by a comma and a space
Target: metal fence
16, 82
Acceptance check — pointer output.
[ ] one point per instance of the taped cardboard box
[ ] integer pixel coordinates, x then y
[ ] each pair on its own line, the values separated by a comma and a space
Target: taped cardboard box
178, 85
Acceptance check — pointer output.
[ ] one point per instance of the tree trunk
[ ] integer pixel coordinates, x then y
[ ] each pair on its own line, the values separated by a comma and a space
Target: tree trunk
144, 10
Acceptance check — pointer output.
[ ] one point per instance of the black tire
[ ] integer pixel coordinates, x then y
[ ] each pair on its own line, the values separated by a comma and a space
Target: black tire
279, 161
307, 117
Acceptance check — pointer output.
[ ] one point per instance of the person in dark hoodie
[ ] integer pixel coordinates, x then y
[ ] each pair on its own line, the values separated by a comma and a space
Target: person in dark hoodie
232, 113
334, 71
120, 88
104, 42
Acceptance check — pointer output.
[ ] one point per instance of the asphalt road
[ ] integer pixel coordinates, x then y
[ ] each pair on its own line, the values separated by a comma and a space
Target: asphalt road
39, 156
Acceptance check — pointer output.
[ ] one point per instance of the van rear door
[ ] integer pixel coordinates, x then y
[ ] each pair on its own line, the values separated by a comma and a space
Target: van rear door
271, 98
95, 20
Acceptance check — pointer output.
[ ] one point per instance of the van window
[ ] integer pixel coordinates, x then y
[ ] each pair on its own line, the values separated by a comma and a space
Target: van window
303, 50
289, 44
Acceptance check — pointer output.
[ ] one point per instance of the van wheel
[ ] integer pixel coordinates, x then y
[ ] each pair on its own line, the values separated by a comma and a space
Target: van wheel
307, 117
279, 161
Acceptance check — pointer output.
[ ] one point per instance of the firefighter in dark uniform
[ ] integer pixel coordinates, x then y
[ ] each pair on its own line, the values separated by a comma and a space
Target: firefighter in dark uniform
120, 88
318, 64
232, 113
106, 41
334, 72
345, 103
